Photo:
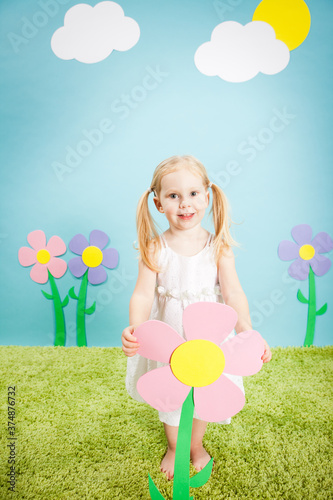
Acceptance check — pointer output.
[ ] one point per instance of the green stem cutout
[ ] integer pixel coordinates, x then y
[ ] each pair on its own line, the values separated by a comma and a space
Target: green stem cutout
60, 328
182, 481
311, 324
312, 309
81, 310
80, 317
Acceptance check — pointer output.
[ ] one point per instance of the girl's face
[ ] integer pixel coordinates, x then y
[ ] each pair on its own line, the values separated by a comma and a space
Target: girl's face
183, 199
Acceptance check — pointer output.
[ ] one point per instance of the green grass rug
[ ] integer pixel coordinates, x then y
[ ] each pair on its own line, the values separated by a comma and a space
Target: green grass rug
80, 436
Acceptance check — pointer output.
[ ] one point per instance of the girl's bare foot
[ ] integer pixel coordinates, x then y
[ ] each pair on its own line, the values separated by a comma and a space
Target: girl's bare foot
168, 463
199, 457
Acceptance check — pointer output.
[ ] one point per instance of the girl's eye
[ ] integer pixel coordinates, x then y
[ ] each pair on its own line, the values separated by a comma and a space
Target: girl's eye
194, 193
173, 196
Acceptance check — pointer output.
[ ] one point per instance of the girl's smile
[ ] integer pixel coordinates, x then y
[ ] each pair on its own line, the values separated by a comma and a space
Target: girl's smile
186, 216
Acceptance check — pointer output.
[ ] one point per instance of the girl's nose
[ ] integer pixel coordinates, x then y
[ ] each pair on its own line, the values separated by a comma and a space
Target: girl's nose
185, 202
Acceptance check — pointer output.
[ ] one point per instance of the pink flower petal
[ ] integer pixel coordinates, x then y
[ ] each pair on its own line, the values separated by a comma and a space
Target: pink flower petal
208, 320
37, 239
243, 353
39, 273
57, 267
161, 390
56, 246
27, 256
157, 340
218, 401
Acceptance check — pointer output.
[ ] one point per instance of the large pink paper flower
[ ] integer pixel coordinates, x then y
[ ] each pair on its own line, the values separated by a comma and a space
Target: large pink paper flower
200, 362
43, 256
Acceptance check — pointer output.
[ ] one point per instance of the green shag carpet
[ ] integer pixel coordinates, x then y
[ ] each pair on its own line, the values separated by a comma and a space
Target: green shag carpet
80, 436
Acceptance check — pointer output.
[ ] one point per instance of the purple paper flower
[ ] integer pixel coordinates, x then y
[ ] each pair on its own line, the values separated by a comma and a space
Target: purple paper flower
306, 252
93, 256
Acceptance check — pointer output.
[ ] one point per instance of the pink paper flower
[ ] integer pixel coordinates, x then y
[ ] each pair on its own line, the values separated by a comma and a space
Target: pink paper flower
43, 257
200, 362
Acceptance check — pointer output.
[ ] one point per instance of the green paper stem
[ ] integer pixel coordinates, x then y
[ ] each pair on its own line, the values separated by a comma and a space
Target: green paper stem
60, 328
80, 317
81, 310
181, 482
310, 328
312, 309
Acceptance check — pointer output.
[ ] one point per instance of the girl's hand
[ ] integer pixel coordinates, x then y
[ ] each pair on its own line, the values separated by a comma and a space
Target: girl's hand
267, 356
130, 344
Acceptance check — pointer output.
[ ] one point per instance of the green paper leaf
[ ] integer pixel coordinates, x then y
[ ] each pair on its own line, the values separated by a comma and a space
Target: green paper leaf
47, 295
64, 303
154, 493
91, 309
301, 297
72, 294
322, 310
202, 476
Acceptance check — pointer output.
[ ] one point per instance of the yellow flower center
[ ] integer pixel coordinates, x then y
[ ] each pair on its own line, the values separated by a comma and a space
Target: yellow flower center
43, 256
306, 252
92, 256
197, 363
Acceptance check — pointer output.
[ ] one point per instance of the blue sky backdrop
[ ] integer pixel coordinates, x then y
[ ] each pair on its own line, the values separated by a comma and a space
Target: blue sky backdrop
267, 142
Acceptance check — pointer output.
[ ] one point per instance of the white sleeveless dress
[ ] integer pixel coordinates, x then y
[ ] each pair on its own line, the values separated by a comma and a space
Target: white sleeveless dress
185, 280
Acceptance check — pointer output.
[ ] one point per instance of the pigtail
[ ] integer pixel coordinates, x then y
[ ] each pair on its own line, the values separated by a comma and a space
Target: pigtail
149, 243
222, 221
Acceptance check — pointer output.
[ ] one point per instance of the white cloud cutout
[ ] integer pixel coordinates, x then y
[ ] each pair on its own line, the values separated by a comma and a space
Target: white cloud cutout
237, 53
90, 34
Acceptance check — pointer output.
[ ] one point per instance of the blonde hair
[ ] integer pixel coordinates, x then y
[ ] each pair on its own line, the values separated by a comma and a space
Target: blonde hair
148, 236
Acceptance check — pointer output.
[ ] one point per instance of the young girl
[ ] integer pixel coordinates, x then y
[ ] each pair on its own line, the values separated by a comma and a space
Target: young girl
185, 264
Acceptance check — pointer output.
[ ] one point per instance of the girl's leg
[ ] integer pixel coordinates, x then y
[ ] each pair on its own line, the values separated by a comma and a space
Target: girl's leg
199, 455
168, 462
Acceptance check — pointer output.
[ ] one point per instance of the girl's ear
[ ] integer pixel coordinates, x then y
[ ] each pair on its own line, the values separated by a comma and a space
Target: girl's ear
158, 205
208, 197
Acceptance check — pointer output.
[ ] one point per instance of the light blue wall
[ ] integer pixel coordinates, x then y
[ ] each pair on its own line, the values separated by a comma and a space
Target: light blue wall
48, 103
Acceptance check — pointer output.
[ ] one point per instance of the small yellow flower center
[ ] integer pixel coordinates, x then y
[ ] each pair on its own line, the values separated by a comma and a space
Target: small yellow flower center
197, 363
306, 252
92, 256
43, 256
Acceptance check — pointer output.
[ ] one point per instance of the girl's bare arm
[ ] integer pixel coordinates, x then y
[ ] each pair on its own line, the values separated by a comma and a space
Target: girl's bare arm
234, 296
140, 307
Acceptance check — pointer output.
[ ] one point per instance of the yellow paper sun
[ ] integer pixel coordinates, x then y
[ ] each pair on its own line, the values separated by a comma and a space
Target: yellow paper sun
290, 19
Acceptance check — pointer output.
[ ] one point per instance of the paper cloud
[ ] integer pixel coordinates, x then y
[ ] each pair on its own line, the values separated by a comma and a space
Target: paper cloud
90, 34
237, 53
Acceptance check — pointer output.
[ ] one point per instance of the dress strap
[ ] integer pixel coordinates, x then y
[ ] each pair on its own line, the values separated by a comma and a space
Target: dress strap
163, 240
209, 240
